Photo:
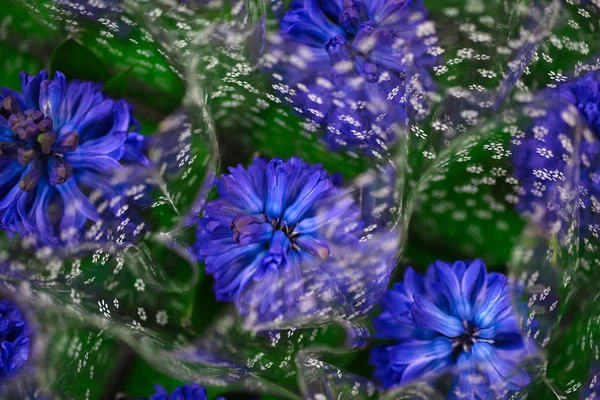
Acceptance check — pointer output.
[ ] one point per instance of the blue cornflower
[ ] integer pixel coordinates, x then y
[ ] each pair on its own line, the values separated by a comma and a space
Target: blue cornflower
355, 66
275, 234
190, 391
456, 315
15, 339
59, 144
556, 174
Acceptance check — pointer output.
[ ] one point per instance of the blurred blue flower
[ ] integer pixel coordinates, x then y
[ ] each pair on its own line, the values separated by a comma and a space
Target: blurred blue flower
456, 315
59, 143
275, 231
586, 3
591, 390
190, 391
552, 185
110, 13
355, 67
15, 339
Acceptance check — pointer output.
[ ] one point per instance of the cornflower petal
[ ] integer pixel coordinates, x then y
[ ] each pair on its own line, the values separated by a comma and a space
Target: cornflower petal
427, 315
312, 191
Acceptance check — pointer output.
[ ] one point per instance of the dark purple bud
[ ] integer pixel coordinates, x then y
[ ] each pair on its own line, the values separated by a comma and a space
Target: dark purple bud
362, 42
248, 224
34, 115
69, 142
337, 49
10, 106
239, 221
46, 124
26, 155
354, 13
362, 9
15, 119
314, 247
370, 72
46, 140
59, 171
26, 130
349, 20
590, 110
31, 177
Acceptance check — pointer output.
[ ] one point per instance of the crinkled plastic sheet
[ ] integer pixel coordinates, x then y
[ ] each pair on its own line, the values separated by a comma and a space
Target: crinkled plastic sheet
485, 54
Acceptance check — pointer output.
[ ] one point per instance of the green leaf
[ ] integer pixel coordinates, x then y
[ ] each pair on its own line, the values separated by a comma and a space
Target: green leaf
571, 351
19, 21
280, 135
205, 306
460, 205
158, 88
141, 378
78, 62
117, 85
419, 255
87, 372
12, 62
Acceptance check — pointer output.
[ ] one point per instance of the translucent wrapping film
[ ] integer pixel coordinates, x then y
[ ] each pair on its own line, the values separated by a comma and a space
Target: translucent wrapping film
467, 124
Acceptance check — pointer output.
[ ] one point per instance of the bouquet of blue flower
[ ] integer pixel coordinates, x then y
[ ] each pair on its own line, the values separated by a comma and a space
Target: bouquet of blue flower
299, 199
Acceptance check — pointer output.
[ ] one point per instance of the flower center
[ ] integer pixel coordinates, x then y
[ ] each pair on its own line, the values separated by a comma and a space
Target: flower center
36, 145
277, 235
248, 228
288, 230
466, 340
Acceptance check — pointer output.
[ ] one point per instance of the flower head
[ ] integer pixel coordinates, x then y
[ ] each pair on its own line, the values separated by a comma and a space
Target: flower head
456, 315
558, 172
282, 237
354, 66
190, 391
15, 338
59, 143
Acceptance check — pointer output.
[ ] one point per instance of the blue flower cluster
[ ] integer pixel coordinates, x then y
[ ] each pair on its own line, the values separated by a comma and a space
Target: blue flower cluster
283, 239
557, 171
190, 391
15, 339
355, 67
456, 315
272, 230
59, 142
